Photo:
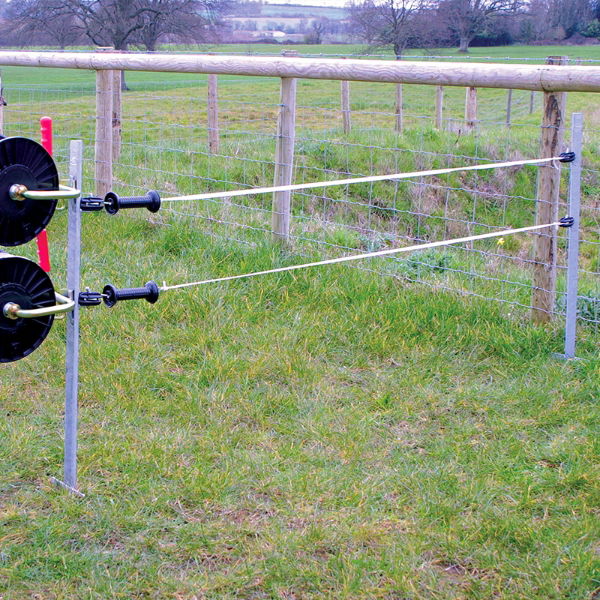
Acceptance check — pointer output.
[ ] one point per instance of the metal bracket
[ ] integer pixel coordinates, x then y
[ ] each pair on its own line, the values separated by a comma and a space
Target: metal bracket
20, 192
14, 311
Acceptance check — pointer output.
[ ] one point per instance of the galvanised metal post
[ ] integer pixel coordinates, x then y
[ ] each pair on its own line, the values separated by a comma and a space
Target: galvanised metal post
72, 354
573, 251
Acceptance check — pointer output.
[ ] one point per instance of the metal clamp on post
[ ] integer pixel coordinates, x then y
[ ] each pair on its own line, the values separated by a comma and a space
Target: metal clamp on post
113, 202
112, 295
567, 157
12, 310
89, 298
91, 204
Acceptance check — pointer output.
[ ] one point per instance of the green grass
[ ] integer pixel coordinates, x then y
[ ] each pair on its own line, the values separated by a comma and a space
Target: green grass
330, 433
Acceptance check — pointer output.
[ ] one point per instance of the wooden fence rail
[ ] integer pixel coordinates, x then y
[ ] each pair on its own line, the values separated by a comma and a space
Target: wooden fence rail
543, 78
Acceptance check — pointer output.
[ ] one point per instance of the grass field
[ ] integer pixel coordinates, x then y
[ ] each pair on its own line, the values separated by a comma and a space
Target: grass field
328, 434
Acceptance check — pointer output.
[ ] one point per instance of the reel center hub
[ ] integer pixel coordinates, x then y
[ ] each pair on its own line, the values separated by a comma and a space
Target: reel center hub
13, 177
12, 293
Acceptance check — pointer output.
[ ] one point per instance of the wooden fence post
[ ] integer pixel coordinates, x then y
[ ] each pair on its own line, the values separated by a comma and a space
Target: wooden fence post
399, 109
103, 146
471, 108
509, 96
345, 100
548, 188
284, 159
116, 116
213, 115
531, 101
439, 107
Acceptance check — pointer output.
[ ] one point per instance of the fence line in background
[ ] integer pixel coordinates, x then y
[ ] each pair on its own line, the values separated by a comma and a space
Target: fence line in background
545, 273
544, 262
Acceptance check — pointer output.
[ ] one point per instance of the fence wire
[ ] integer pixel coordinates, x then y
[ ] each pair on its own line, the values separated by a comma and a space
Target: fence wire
165, 146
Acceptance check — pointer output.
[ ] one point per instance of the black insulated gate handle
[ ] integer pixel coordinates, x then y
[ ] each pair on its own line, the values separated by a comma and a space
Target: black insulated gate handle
113, 203
112, 295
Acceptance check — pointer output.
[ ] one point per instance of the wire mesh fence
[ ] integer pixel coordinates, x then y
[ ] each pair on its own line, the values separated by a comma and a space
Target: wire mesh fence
165, 146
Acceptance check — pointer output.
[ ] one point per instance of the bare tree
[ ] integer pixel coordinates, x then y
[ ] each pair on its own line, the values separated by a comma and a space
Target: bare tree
570, 15
535, 23
187, 20
41, 22
317, 28
119, 23
386, 22
467, 18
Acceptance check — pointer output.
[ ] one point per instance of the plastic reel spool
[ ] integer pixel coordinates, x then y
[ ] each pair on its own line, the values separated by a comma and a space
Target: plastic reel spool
23, 161
26, 284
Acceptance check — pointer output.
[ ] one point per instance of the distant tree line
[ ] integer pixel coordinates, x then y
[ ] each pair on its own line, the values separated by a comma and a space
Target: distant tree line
404, 24
117, 23
399, 24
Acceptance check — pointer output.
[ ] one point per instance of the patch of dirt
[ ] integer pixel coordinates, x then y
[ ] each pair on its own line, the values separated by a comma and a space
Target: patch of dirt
249, 517
459, 573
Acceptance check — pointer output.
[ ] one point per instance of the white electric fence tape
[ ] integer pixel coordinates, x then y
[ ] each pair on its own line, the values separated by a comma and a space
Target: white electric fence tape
343, 259
321, 184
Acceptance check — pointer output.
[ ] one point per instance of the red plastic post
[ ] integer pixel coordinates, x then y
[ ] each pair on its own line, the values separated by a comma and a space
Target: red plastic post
42, 238
46, 131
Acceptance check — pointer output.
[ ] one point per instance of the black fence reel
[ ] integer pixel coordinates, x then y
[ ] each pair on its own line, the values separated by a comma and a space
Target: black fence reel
24, 286
29, 192
24, 166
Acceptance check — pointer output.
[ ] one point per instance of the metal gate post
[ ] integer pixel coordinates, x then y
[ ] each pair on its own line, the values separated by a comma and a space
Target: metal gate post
72, 357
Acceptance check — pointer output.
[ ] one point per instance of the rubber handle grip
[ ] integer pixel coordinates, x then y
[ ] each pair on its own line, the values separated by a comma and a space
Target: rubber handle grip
149, 292
114, 203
